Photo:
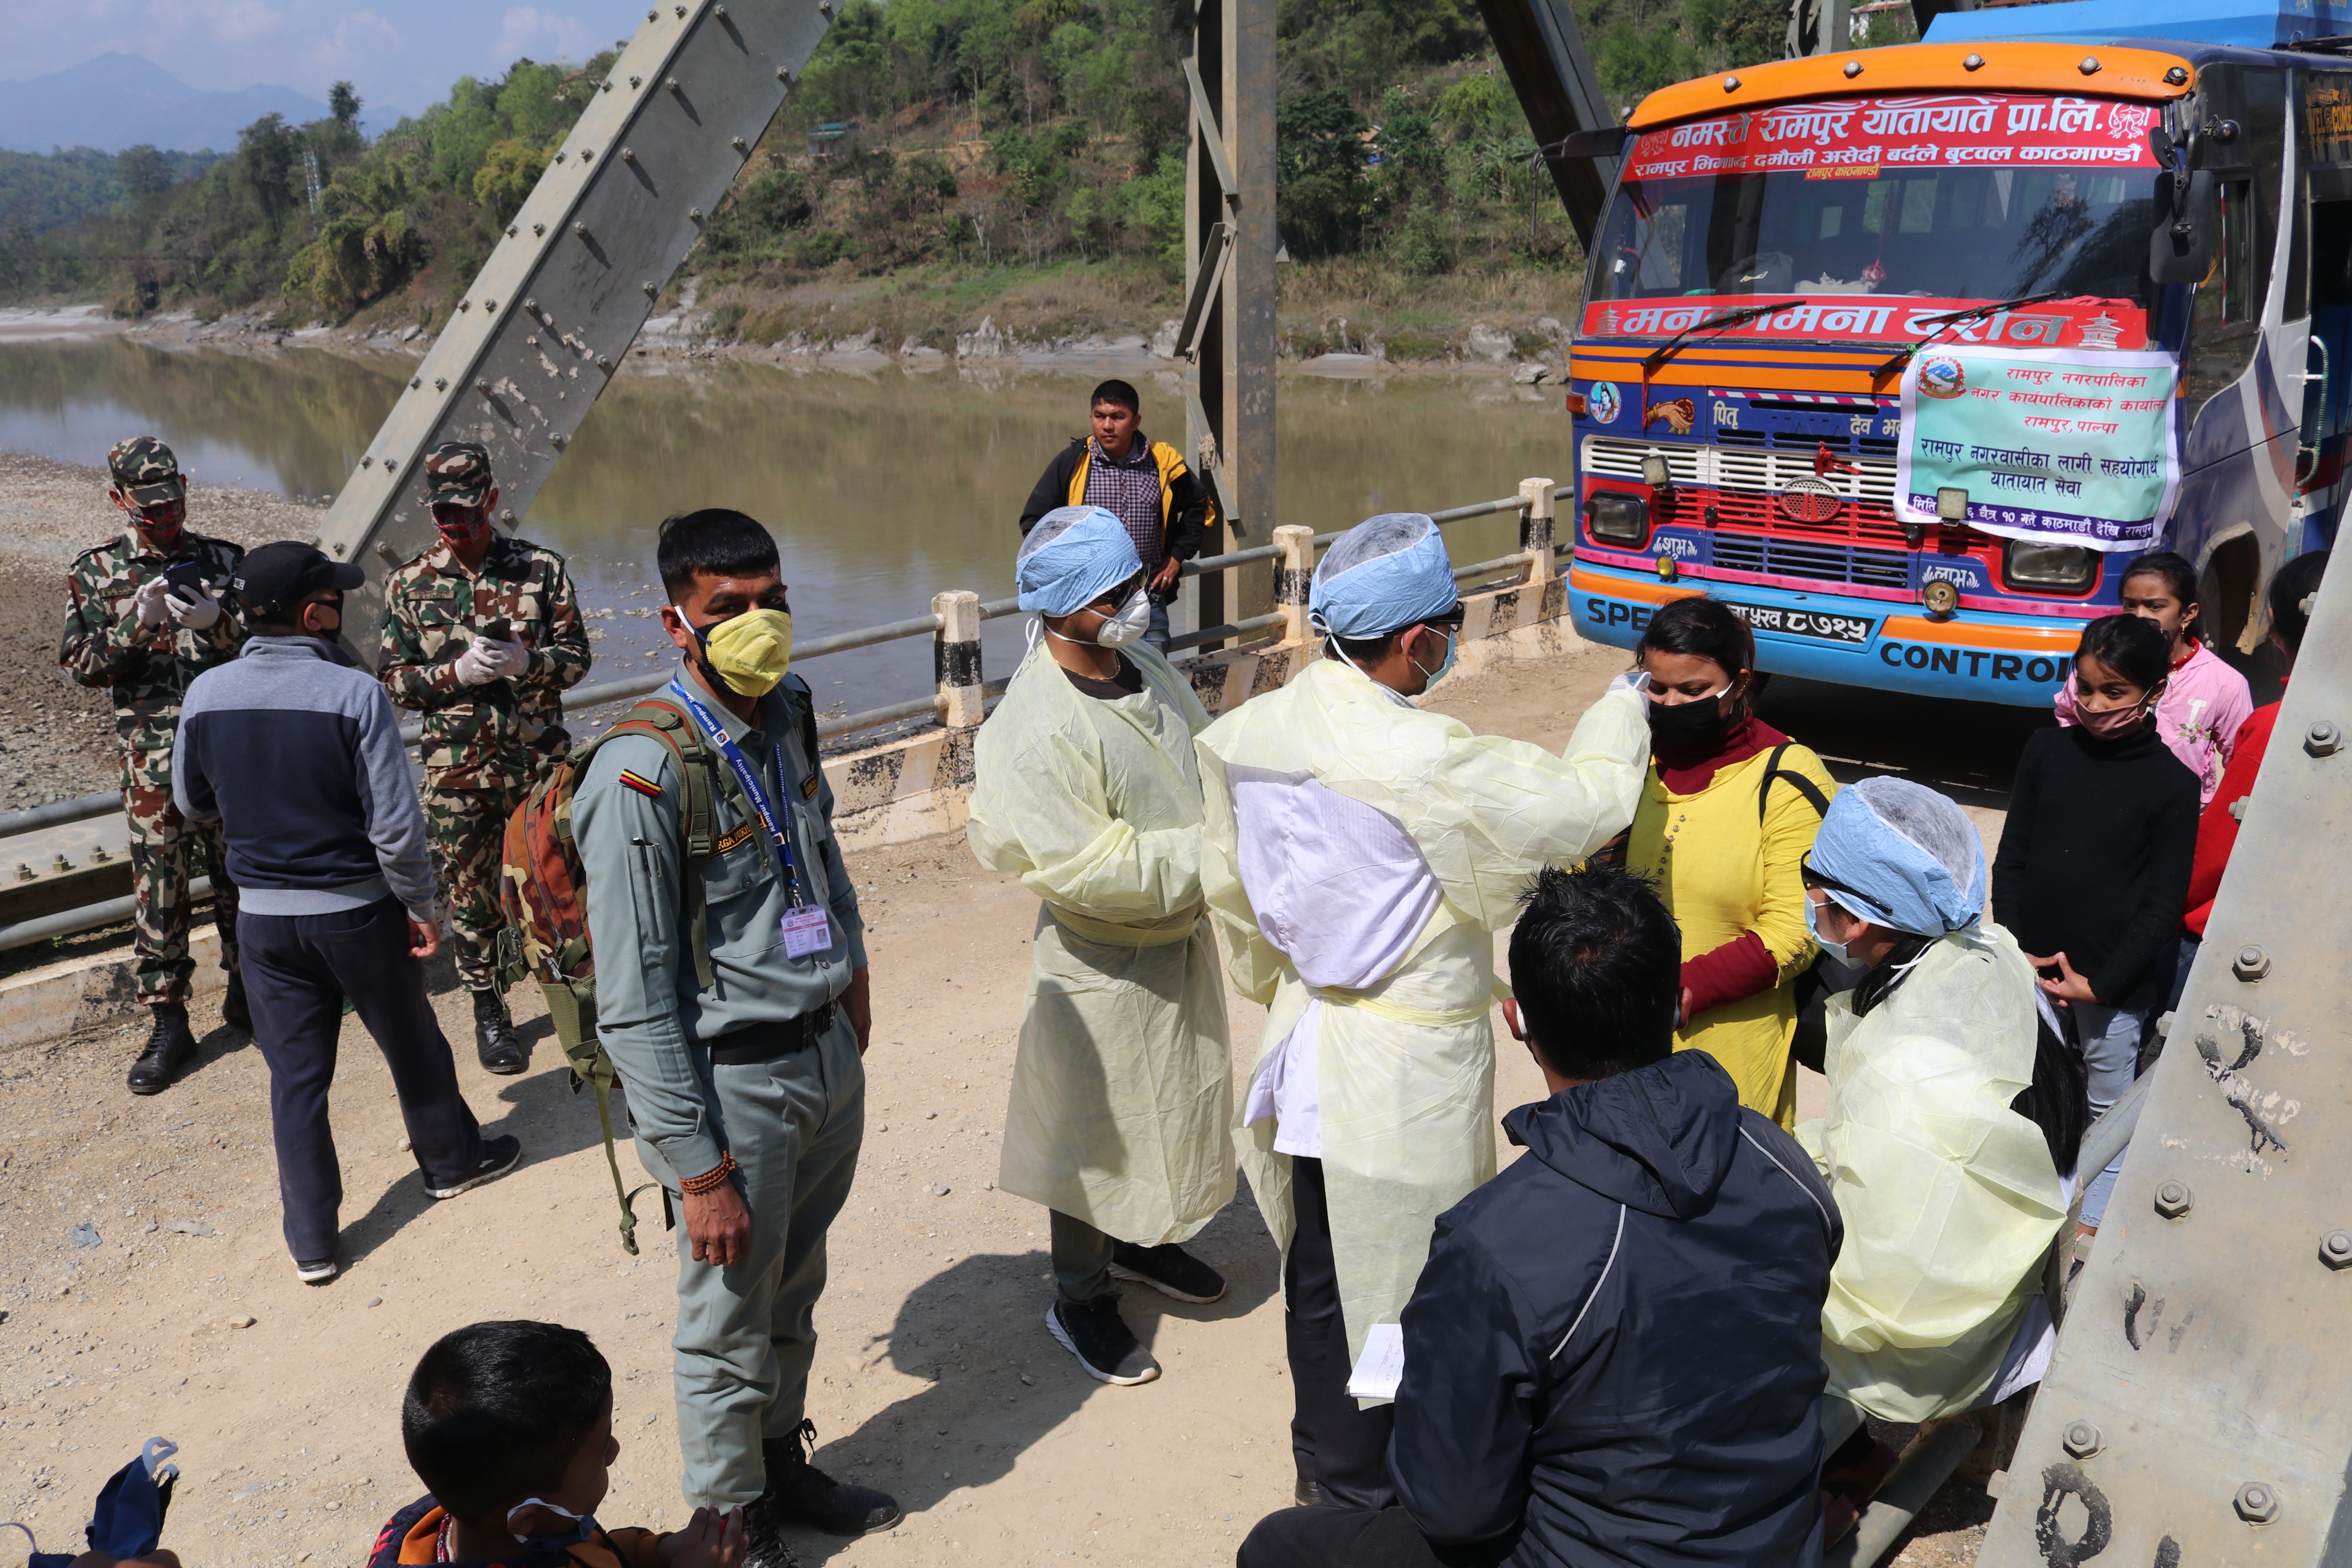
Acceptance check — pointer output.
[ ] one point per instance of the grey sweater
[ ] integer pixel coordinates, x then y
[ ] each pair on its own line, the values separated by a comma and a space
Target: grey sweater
296, 754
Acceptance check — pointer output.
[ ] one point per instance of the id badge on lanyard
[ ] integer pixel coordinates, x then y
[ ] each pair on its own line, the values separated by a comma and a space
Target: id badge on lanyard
807, 928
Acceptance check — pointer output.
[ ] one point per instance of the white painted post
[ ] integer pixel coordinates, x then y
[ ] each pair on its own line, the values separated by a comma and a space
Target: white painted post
955, 658
1538, 509
1292, 573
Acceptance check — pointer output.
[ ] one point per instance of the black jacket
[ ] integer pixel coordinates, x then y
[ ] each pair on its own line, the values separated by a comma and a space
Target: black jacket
2095, 858
1183, 499
1614, 1350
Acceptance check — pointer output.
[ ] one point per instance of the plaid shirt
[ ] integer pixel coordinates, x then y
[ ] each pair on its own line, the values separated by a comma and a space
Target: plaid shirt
1130, 490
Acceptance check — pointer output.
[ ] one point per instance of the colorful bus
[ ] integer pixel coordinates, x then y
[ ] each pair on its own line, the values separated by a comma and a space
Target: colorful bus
1787, 242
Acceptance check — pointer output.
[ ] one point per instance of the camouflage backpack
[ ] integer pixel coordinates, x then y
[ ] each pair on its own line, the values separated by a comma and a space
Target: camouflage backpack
544, 892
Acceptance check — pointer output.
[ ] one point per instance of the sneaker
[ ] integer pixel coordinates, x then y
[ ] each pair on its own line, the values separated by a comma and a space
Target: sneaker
1100, 1339
800, 1493
499, 1155
763, 1543
1169, 1269
494, 1037
1308, 1494
235, 1011
316, 1270
170, 1045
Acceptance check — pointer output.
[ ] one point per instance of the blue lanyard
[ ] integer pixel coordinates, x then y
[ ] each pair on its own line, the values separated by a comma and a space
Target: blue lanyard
749, 779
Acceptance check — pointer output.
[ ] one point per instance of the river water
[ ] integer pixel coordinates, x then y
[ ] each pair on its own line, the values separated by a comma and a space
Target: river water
883, 487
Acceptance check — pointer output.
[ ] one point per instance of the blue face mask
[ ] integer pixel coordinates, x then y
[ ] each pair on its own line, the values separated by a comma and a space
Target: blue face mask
1446, 666
1835, 950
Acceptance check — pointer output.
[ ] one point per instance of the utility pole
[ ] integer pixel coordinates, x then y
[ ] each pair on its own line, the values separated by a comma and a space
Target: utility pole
1228, 331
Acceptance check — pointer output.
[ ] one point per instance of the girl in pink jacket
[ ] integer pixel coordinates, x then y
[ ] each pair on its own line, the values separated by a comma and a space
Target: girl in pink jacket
2205, 700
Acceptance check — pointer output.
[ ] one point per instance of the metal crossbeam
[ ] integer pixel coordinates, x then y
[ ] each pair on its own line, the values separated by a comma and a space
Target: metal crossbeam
553, 313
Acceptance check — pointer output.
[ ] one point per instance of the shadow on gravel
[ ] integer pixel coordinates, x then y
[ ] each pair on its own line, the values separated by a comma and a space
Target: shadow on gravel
999, 1382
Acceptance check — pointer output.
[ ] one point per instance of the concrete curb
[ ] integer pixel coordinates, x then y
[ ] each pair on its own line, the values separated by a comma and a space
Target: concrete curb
93, 990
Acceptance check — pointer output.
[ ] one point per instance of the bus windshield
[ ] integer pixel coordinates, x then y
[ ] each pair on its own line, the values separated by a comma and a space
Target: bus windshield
1877, 212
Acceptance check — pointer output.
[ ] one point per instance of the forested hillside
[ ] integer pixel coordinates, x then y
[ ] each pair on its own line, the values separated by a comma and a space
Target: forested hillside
1022, 158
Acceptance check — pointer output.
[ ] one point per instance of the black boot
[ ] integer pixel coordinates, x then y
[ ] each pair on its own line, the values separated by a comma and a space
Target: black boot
169, 1046
234, 1012
494, 1036
800, 1493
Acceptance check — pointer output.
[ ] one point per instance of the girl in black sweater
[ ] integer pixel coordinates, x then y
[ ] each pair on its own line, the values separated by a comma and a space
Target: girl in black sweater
2094, 857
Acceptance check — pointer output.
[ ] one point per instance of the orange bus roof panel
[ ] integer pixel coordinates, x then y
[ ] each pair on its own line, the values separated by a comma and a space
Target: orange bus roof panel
2056, 69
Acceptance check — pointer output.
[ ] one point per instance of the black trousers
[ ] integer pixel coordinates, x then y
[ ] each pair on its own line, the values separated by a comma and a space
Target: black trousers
1339, 1448
297, 971
1356, 1538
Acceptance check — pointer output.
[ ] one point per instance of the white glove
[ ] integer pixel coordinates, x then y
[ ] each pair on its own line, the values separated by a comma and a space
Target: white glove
149, 602
488, 659
1636, 681
197, 614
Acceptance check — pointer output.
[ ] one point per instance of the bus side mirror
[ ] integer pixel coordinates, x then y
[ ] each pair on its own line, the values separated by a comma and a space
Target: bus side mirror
1607, 142
2180, 250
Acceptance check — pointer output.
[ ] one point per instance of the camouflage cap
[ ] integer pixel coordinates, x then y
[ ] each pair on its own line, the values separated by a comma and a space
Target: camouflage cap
145, 471
456, 473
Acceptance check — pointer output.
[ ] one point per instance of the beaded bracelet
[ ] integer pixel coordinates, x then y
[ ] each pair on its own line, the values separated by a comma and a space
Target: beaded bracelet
712, 1180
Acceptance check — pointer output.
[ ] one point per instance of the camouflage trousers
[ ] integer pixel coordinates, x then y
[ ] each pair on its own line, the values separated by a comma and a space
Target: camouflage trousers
469, 830
161, 870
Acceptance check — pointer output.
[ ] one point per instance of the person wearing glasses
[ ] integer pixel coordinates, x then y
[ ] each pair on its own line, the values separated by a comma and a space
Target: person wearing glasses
144, 617
1361, 854
482, 635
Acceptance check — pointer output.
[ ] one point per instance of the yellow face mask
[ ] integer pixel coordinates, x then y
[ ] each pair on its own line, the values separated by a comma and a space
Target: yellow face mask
749, 652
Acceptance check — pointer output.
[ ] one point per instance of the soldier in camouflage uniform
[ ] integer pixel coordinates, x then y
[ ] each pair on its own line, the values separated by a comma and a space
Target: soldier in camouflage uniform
144, 640
492, 703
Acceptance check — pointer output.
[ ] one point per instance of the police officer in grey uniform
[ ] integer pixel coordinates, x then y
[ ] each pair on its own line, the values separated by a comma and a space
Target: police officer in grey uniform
748, 1094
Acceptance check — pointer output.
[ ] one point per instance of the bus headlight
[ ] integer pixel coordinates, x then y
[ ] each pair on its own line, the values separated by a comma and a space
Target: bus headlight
1613, 514
2068, 568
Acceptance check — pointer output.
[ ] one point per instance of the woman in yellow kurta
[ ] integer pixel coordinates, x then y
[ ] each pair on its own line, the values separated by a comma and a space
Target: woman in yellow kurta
1729, 809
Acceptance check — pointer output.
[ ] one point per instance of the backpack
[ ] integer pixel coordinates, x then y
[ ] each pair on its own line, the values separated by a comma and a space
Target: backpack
1825, 976
543, 892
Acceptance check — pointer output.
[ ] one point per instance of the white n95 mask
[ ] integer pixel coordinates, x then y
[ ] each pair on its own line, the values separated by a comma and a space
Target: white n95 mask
1132, 620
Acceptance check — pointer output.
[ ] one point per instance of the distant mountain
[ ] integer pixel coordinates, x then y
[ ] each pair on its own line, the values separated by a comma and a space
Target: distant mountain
115, 102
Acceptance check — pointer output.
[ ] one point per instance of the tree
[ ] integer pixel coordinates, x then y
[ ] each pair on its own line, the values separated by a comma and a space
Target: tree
366, 244
510, 171
265, 166
144, 173
1318, 160
343, 103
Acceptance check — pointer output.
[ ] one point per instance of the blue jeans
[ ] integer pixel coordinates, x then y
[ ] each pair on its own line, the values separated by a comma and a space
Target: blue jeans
1157, 633
2111, 1039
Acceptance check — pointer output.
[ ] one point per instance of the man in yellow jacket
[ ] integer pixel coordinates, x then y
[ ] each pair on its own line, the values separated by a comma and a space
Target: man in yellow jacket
1360, 855
1144, 483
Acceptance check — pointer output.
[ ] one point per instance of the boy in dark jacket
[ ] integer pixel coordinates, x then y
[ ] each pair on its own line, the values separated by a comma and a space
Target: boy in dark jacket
1614, 1354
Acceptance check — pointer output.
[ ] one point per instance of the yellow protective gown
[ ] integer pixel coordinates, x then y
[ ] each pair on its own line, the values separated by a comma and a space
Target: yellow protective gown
1724, 873
1121, 1105
1405, 1067
1950, 1197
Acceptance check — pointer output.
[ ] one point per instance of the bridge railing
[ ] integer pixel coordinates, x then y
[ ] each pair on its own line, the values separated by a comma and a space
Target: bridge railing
959, 698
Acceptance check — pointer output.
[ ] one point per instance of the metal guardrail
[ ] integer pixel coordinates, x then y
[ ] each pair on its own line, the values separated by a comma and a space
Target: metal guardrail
83, 807
954, 622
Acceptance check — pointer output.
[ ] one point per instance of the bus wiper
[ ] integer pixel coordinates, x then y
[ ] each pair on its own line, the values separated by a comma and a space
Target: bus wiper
1952, 319
1665, 350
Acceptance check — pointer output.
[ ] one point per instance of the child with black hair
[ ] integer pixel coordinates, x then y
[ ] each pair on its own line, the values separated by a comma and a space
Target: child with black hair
2204, 700
510, 1426
2094, 857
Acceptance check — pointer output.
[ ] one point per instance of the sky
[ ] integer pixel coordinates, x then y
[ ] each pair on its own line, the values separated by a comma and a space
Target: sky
400, 55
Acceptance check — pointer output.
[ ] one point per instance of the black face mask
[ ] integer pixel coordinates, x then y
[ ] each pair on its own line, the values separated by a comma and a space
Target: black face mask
1689, 726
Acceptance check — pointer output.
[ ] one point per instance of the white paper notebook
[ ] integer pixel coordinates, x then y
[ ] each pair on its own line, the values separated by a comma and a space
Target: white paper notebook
1382, 1366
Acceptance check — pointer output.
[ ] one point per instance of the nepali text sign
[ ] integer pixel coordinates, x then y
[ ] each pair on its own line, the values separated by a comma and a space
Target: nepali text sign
1948, 130
2052, 444
2086, 321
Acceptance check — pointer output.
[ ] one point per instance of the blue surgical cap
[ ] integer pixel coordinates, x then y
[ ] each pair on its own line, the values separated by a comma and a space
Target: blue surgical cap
1901, 855
1385, 573
1073, 557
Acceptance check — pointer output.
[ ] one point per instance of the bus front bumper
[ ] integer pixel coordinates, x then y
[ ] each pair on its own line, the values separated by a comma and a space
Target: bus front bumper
1894, 647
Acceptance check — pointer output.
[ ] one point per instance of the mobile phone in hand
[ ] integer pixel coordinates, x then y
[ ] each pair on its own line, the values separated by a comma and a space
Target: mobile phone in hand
185, 578
500, 630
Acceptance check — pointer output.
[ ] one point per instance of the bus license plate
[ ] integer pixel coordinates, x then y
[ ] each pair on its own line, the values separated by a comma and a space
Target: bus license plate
1821, 625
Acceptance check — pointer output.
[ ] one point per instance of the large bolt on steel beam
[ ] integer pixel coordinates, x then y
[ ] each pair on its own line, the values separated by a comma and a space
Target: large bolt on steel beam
2174, 1199
2323, 739
2336, 1249
2082, 1439
2252, 963
2257, 1503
